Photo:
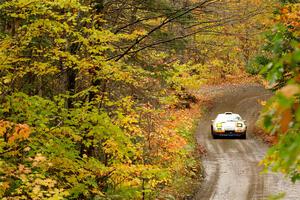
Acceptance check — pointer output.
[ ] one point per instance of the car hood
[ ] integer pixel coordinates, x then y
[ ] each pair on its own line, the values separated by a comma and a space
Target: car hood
229, 125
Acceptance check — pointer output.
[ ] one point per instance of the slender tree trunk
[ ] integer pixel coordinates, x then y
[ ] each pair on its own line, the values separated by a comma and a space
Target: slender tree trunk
71, 85
143, 188
71, 75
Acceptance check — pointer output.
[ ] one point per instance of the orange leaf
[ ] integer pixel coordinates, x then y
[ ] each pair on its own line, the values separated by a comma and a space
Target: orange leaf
286, 118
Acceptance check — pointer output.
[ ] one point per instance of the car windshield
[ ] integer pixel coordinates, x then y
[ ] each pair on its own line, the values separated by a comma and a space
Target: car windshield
228, 118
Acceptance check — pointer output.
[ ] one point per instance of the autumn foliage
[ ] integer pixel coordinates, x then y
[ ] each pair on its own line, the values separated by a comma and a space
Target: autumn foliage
98, 98
13, 132
79, 120
282, 112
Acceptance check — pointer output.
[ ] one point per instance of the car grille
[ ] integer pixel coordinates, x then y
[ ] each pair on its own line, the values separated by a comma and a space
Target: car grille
229, 132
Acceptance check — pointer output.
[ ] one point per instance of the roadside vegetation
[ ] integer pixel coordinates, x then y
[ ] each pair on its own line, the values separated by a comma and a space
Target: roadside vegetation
279, 64
98, 98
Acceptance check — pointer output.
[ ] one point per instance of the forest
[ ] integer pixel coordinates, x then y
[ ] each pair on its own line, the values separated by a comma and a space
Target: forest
98, 98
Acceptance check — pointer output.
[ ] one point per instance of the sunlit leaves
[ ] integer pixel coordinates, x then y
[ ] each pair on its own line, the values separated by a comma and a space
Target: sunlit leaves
281, 115
75, 123
188, 76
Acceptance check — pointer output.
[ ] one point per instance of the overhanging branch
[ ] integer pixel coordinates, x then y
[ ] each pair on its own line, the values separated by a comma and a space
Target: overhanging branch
166, 21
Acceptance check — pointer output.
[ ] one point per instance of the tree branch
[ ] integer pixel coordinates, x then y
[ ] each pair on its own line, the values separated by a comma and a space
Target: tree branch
137, 21
166, 21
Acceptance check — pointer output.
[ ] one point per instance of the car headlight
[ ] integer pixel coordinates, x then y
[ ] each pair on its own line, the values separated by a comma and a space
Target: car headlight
239, 125
219, 125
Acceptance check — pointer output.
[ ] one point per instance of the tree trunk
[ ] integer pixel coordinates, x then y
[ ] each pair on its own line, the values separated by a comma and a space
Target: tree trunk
71, 85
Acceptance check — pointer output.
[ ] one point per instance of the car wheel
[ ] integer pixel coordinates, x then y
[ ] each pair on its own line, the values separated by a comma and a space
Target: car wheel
244, 136
213, 133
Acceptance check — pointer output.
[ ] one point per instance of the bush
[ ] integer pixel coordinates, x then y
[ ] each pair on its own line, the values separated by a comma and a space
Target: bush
255, 65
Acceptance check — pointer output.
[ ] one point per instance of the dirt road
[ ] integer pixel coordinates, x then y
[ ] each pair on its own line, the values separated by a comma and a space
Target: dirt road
231, 165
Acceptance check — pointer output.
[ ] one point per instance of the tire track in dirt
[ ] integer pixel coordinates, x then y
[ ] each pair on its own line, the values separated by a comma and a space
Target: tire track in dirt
231, 165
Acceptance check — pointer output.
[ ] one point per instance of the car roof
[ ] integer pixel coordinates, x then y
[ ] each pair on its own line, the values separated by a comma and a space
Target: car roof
228, 115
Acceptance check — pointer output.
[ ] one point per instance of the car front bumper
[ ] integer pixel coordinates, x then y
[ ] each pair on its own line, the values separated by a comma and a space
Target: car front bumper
230, 132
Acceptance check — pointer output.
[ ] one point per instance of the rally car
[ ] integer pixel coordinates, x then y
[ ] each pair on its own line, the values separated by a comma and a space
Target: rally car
228, 124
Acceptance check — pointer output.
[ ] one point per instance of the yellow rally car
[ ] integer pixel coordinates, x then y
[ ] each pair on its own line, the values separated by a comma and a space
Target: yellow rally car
228, 124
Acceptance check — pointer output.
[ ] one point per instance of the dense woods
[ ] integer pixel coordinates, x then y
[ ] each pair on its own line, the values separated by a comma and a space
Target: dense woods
88, 90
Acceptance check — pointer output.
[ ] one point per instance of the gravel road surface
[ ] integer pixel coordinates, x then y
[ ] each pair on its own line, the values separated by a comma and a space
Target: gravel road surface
231, 165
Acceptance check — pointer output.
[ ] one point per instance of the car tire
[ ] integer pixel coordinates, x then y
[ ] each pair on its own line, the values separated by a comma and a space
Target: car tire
244, 136
214, 136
